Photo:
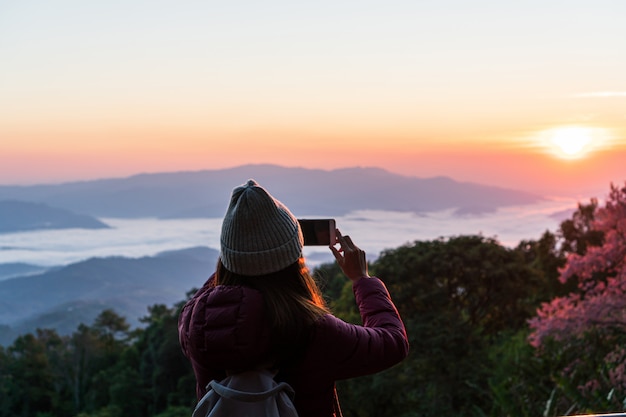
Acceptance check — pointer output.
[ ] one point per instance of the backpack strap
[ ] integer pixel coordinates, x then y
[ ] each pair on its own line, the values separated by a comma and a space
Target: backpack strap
336, 407
234, 394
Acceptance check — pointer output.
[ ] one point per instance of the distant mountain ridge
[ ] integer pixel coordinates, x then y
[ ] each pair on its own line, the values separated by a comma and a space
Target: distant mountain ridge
20, 216
64, 297
19, 269
304, 191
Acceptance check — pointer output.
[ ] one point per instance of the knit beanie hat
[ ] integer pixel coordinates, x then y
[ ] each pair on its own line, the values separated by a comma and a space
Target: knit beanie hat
259, 233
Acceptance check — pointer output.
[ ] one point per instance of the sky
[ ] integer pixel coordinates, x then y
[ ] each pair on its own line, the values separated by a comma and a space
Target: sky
528, 95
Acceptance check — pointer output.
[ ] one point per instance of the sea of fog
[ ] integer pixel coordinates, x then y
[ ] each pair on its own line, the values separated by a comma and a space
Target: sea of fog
373, 231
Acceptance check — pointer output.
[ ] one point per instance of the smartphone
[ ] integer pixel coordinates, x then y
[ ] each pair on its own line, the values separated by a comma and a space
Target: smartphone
318, 232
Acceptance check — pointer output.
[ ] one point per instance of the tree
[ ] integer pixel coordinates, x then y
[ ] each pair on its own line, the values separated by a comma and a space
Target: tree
99, 370
590, 322
91, 351
27, 378
165, 372
599, 301
578, 233
111, 326
546, 257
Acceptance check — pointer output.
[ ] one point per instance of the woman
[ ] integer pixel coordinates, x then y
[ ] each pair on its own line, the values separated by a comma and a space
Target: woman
261, 308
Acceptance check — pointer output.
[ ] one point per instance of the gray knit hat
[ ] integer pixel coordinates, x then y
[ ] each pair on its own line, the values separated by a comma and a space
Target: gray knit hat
259, 233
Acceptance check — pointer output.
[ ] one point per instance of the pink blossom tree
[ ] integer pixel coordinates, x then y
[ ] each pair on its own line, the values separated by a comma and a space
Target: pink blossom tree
596, 310
600, 301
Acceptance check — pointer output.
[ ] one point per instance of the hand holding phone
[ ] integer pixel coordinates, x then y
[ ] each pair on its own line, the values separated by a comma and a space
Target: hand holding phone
351, 258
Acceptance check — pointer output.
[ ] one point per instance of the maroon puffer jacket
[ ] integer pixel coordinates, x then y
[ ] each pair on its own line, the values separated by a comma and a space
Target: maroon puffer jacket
224, 327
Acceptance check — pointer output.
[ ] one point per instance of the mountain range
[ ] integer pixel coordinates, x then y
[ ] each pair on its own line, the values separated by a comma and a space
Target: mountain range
64, 297
21, 216
305, 191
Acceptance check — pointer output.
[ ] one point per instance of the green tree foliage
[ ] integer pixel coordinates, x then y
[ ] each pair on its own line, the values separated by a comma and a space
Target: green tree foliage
520, 382
27, 384
578, 233
99, 371
162, 365
546, 257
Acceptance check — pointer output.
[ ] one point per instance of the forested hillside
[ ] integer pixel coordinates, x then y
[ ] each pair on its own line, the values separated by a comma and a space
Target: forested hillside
467, 302
64, 297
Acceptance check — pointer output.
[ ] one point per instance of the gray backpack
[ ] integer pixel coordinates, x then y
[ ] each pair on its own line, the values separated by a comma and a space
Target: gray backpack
247, 394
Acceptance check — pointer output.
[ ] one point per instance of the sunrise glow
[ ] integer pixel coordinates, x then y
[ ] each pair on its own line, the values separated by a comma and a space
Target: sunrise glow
576, 143
572, 142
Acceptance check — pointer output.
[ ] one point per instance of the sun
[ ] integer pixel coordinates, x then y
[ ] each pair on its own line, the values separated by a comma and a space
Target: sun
572, 142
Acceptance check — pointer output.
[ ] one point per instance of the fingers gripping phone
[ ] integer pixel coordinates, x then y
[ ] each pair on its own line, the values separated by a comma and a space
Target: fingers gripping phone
318, 232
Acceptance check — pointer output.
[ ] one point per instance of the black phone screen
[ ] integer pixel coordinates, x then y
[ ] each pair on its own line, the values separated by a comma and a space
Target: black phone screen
317, 232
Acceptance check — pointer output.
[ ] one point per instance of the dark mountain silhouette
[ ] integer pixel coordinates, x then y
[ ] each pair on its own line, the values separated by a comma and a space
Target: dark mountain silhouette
18, 216
65, 297
305, 191
18, 269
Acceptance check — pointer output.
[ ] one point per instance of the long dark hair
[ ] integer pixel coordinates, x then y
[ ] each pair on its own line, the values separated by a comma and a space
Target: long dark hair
293, 303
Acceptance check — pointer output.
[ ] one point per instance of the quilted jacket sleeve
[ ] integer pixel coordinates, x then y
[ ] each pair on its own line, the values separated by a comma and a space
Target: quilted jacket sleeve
378, 344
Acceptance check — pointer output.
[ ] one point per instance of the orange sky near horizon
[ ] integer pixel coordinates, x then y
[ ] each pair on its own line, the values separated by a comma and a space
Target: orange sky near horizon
512, 164
475, 92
